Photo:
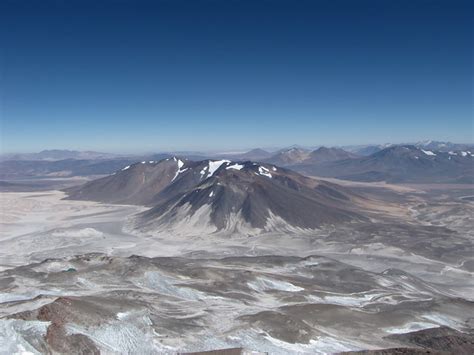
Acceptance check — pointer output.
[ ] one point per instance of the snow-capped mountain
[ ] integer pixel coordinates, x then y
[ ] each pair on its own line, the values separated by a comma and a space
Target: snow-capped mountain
221, 195
366, 150
398, 163
444, 146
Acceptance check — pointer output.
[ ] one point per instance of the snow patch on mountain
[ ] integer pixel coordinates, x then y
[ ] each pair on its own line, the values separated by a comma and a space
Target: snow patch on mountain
214, 165
235, 166
264, 171
428, 152
180, 165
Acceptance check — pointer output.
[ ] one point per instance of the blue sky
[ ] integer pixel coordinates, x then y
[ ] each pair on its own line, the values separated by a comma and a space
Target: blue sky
133, 76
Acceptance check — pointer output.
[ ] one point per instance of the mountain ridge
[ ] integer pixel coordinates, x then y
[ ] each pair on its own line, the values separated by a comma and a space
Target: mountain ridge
221, 195
399, 163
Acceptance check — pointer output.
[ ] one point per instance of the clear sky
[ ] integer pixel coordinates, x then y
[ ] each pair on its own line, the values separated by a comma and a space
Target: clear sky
131, 76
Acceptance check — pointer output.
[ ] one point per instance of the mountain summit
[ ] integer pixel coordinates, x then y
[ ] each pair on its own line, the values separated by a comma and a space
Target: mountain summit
220, 195
289, 156
324, 154
293, 156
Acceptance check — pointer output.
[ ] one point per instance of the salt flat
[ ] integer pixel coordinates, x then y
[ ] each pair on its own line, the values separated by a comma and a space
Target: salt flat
38, 225
281, 293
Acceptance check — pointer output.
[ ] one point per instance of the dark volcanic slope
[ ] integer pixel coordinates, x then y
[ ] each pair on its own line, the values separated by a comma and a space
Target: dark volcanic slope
30, 169
254, 155
293, 156
323, 154
254, 193
137, 184
400, 164
24, 169
289, 157
222, 194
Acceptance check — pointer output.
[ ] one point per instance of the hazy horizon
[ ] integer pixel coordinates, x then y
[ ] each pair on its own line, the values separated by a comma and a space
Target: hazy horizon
230, 150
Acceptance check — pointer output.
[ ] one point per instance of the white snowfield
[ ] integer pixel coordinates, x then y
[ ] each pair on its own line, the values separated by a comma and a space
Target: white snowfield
214, 165
39, 225
428, 152
264, 171
235, 167
180, 170
462, 153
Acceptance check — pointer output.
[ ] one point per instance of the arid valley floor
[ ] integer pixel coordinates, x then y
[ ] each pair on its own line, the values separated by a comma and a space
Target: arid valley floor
74, 278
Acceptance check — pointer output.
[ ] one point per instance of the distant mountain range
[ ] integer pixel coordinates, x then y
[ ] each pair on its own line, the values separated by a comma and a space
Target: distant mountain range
219, 195
428, 144
365, 150
444, 146
292, 156
289, 156
28, 169
253, 154
256, 154
57, 154
450, 162
32, 169
400, 164
419, 163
